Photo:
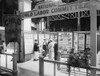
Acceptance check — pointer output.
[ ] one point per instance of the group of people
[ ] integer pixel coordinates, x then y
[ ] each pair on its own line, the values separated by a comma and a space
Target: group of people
48, 49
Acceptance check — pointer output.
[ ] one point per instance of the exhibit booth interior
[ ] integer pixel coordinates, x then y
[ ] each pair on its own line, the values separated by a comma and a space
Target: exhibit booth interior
75, 25
70, 24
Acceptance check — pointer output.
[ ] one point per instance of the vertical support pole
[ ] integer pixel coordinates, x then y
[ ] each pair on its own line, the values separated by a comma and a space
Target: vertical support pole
6, 61
59, 53
78, 26
0, 61
48, 23
41, 66
2, 12
69, 71
21, 44
59, 56
22, 47
54, 69
93, 25
38, 31
14, 64
85, 41
14, 45
21, 7
86, 72
73, 40
78, 41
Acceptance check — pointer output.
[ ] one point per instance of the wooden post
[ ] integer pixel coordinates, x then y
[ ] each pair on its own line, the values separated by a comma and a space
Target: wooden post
59, 56
78, 26
86, 72
59, 53
14, 64
73, 40
69, 70
93, 25
54, 69
48, 22
6, 60
41, 66
20, 46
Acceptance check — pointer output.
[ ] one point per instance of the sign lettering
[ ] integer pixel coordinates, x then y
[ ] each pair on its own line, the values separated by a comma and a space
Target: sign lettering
48, 5
52, 9
12, 28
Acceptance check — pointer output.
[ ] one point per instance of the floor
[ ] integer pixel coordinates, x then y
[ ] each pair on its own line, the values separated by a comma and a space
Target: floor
31, 68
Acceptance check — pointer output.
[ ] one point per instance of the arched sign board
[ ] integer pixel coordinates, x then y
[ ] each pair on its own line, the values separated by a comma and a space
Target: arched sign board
49, 9
54, 8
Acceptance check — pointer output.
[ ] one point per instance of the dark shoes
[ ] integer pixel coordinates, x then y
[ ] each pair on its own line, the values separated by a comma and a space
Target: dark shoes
35, 59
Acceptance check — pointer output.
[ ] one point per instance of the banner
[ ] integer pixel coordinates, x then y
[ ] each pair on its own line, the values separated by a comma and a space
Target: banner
12, 25
50, 9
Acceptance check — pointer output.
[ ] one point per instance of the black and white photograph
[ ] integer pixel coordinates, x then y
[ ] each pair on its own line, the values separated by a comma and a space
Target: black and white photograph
49, 37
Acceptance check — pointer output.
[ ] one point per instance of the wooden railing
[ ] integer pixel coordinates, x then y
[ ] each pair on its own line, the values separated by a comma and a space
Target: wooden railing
28, 56
13, 71
41, 67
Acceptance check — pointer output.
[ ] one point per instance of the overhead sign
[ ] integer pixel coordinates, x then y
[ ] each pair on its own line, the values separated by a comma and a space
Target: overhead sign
53, 9
12, 25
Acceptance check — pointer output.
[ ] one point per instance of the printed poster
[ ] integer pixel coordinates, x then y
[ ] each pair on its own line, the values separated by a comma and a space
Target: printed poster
81, 42
75, 42
64, 41
88, 41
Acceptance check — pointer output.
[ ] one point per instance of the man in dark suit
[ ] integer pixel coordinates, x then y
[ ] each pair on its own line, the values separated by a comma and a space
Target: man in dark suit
56, 50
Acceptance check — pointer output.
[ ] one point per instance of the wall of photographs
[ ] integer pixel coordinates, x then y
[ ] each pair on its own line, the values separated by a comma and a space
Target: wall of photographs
64, 41
69, 40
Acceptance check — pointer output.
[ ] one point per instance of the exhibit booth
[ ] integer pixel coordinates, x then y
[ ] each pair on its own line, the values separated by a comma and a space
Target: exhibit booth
76, 26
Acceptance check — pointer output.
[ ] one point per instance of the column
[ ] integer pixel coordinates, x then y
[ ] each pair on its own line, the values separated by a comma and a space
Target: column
24, 5
78, 21
93, 25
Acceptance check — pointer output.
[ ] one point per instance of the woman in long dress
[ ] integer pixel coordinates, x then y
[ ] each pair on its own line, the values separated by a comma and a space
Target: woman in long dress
51, 50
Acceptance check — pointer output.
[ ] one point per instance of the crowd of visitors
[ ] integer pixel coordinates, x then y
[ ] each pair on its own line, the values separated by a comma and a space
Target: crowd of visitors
48, 49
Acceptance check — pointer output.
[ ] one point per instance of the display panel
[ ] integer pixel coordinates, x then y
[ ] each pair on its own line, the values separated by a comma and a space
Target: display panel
81, 41
28, 39
88, 41
64, 42
41, 39
75, 42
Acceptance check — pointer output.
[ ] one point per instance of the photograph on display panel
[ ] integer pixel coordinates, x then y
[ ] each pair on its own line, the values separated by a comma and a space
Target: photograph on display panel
64, 42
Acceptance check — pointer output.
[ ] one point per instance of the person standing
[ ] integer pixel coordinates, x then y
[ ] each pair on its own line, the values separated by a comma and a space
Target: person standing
36, 50
51, 50
45, 45
56, 50
4, 46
